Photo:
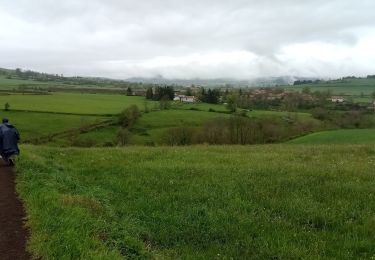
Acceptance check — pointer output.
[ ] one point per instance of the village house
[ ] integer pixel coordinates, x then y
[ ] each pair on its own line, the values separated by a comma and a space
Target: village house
372, 106
337, 99
185, 99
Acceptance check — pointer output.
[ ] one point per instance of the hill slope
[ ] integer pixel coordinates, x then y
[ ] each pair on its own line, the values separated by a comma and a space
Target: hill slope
342, 136
349, 86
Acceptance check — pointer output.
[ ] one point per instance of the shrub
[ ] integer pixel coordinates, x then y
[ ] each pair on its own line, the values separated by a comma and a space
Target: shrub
179, 136
7, 106
123, 136
128, 116
320, 113
164, 103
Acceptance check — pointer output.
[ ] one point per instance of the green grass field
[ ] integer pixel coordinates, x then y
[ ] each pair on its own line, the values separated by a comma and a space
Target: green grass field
72, 110
286, 201
67, 111
200, 106
72, 103
351, 87
33, 125
227, 202
95, 138
278, 114
172, 118
342, 136
8, 84
150, 127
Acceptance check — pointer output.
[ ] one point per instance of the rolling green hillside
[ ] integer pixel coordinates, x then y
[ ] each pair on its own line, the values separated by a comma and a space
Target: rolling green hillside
195, 202
346, 86
8, 84
75, 103
218, 202
32, 125
342, 136
151, 127
43, 115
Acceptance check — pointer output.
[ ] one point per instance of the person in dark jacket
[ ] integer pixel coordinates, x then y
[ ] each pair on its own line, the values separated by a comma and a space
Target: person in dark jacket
9, 138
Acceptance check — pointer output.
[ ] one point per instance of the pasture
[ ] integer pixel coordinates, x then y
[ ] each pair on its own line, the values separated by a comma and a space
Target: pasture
283, 201
200, 106
75, 103
342, 136
350, 87
70, 111
42, 115
203, 202
33, 125
151, 127
8, 84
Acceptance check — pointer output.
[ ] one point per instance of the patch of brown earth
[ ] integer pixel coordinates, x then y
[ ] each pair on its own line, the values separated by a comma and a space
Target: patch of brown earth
13, 235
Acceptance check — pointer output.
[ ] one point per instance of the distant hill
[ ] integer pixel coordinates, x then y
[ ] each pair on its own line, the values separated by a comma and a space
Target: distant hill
39, 77
343, 86
219, 82
20, 74
29, 78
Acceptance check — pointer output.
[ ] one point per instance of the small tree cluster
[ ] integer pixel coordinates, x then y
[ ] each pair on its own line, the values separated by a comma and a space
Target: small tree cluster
210, 96
239, 130
129, 91
123, 136
164, 103
7, 106
128, 116
149, 93
231, 101
166, 92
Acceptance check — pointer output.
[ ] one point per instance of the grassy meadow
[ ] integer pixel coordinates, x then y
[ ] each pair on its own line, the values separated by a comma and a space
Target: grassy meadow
283, 201
62, 111
200, 106
341, 136
33, 125
8, 84
75, 103
42, 115
350, 87
150, 127
203, 202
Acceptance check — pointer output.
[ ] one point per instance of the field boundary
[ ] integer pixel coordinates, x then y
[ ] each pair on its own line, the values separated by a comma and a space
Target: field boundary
59, 113
66, 133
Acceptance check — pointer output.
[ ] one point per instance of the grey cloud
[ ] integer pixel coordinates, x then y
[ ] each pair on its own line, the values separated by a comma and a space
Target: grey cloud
82, 36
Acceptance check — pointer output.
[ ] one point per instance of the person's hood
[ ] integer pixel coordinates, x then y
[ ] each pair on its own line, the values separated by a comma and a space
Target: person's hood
9, 125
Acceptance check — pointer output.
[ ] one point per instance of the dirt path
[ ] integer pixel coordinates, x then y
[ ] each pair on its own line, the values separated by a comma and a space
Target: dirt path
12, 233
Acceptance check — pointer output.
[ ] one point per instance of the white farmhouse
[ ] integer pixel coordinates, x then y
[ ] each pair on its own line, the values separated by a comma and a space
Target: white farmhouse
337, 99
186, 99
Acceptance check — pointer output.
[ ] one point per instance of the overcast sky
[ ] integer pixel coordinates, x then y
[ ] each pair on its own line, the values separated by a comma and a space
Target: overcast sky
184, 39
